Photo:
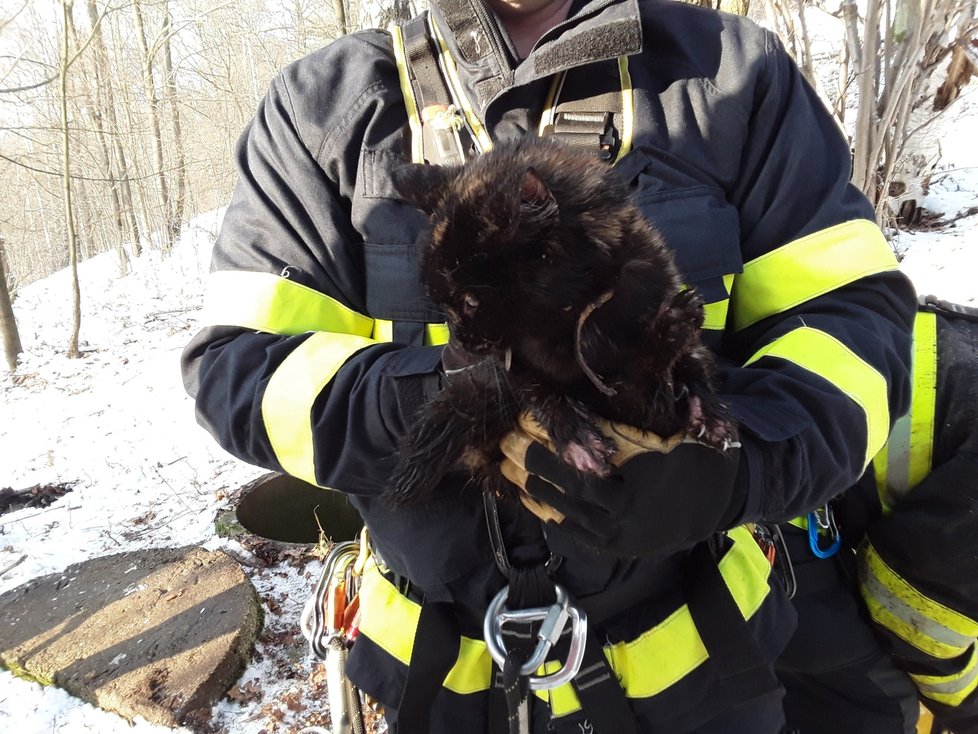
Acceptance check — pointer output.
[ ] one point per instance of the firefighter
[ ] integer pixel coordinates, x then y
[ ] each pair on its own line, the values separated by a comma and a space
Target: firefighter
319, 345
911, 522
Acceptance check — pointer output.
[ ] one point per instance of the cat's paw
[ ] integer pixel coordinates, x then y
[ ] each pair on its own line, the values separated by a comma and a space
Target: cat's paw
592, 456
711, 426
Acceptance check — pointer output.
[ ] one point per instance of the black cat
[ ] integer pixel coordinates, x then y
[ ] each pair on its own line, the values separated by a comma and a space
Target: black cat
563, 301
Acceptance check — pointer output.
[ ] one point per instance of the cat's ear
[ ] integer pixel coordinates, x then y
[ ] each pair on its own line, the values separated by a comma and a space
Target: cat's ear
534, 192
421, 184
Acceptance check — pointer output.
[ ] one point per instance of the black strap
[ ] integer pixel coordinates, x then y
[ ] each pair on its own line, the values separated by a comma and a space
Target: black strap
743, 672
436, 646
946, 308
601, 696
439, 146
426, 78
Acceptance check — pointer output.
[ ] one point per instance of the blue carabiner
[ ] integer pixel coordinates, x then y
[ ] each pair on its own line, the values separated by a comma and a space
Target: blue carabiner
814, 522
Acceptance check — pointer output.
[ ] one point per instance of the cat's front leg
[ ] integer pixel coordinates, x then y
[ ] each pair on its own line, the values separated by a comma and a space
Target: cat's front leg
574, 432
459, 429
708, 419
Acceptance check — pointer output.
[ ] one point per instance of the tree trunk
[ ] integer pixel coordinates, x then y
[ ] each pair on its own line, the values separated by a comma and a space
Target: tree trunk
70, 234
8, 326
153, 110
340, 7
102, 112
170, 92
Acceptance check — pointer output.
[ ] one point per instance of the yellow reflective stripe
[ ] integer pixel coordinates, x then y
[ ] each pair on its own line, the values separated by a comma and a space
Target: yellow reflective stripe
953, 689
908, 453
390, 620
276, 305
672, 649
550, 104
824, 355
383, 330
627, 108
435, 335
380, 605
645, 666
286, 406
880, 463
809, 267
924, 401
922, 622
715, 314
482, 138
407, 91
472, 671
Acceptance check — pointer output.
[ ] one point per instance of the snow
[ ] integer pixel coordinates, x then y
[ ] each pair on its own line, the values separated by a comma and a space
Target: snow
119, 424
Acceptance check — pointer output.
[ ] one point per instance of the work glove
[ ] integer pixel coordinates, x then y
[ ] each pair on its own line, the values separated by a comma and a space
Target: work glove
661, 495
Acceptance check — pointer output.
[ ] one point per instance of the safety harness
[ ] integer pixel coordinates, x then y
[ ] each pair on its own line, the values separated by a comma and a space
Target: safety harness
446, 130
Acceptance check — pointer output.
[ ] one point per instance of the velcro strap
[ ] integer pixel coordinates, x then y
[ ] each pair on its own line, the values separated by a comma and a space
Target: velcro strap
436, 646
743, 672
601, 696
426, 79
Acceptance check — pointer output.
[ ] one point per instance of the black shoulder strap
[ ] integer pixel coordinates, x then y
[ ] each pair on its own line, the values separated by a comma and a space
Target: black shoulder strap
587, 108
445, 139
946, 308
743, 671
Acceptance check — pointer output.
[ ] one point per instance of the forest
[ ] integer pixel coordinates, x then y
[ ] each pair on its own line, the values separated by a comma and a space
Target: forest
118, 118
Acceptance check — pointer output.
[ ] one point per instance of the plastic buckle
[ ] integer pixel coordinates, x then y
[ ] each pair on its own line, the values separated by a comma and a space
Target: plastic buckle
441, 126
554, 619
823, 518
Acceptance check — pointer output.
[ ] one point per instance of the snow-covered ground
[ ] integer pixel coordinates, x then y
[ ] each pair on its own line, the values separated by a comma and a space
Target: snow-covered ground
118, 424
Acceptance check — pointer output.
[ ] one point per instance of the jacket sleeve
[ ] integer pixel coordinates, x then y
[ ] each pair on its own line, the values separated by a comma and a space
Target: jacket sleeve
820, 317
289, 372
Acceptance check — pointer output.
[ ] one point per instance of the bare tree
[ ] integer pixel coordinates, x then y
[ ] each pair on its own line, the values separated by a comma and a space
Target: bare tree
170, 93
113, 155
8, 325
153, 112
72, 237
889, 65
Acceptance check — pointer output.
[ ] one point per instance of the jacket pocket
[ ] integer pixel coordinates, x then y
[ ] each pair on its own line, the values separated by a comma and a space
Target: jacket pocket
694, 218
391, 229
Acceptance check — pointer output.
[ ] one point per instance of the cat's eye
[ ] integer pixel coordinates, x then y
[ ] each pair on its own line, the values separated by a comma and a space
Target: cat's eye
471, 304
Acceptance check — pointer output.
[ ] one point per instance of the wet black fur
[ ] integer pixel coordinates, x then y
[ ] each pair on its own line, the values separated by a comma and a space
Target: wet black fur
537, 234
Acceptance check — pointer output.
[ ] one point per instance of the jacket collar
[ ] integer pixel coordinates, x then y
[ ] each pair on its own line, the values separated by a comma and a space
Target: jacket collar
597, 30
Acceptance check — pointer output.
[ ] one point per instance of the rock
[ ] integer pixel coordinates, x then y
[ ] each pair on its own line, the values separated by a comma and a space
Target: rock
157, 633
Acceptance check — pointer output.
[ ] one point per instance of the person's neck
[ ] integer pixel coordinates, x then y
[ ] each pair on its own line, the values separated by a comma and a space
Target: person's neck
526, 28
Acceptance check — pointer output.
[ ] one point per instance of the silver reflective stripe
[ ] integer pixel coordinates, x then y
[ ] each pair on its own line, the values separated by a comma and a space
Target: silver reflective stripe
950, 689
913, 618
898, 461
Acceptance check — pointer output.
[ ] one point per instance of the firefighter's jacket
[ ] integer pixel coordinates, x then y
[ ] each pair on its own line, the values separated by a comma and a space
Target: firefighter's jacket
917, 562
319, 341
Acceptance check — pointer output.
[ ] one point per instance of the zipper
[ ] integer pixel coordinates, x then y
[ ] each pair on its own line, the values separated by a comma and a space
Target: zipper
488, 21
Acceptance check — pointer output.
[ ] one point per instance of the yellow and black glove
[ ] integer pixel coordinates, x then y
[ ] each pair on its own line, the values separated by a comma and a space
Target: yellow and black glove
662, 495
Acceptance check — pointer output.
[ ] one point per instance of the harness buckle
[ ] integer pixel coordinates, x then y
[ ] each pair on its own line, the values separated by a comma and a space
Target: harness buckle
553, 623
441, 127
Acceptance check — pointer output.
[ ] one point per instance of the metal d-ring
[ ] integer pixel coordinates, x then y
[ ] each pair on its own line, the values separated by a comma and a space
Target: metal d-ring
554, 619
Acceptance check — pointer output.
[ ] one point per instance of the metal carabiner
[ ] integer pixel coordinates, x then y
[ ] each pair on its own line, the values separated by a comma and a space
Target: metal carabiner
318, 619
823, 518
554, 619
